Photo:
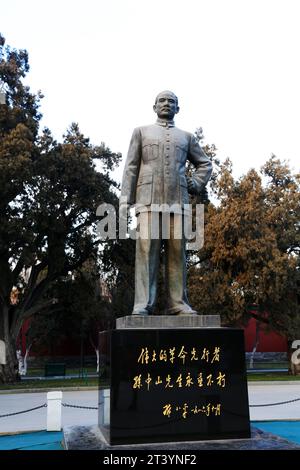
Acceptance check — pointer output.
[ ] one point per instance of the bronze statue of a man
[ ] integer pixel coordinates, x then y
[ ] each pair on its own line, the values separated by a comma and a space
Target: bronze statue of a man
154, 180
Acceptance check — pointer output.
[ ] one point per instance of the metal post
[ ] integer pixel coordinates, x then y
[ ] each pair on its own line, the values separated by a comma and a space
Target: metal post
54, 411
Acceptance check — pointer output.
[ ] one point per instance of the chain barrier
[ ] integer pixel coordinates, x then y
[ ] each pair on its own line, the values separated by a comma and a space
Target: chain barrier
67, 405
251, 406
278, 403
24, 411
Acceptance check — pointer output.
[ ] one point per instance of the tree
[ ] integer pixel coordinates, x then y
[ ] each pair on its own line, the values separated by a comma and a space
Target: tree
249, 265
118, 258
49, 193
81, 312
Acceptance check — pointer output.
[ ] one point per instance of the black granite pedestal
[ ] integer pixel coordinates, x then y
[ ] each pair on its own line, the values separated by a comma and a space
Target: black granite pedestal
173, 384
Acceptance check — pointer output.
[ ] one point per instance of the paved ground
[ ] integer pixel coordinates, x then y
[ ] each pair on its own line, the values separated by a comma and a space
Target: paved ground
36, 420
260, 394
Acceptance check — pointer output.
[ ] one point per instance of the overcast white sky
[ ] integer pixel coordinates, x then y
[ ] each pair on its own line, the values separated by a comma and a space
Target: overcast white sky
234, 64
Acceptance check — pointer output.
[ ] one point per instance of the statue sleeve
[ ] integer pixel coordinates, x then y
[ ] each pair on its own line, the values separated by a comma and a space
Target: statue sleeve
202, 163
132, 168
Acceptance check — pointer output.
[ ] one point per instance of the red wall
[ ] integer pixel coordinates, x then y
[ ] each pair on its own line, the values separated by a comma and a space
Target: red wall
268, 341
66, 348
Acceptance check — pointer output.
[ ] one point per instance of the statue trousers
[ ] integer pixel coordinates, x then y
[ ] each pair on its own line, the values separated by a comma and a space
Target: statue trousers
157, 230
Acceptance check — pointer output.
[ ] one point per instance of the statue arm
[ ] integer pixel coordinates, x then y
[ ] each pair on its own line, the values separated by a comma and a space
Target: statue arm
131, 170
203, 167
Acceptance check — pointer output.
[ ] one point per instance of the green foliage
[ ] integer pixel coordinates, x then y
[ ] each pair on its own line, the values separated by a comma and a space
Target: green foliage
49, 193
117, 260
79, 312
249, 265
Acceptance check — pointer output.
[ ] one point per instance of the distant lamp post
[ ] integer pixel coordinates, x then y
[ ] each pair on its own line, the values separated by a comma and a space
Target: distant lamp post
2, 93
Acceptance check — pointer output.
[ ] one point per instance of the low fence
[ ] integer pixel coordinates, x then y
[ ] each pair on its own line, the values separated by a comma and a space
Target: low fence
54, 406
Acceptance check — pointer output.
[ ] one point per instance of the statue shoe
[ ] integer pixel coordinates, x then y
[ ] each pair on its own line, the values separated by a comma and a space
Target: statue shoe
183, 312
187, 312
142, 311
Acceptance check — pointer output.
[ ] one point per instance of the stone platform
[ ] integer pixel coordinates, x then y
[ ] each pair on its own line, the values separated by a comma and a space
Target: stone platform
91, 438
168, 321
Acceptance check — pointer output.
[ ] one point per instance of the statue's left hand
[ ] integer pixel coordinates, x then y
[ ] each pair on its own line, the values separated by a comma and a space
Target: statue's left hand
191, 185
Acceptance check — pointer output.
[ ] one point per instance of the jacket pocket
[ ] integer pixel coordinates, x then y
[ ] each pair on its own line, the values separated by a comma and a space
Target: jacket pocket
181, 152
150, 149
144, 190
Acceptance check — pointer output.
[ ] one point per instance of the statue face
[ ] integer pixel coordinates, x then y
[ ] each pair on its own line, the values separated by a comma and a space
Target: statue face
166, 105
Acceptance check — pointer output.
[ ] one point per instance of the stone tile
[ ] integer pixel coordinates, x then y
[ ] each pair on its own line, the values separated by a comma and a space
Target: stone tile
91, 438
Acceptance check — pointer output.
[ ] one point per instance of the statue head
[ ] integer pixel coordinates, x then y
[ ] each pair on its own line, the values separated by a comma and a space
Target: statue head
166, 105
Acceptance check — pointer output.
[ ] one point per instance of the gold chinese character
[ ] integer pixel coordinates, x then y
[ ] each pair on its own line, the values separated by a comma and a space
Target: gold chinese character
189, 380
158, 380
205, 355
209, 380
163, 355
172, 354
221, 380
168, 382
154, 356
167, 409
185, 410
207, 409
137, 381
216, 409
179, 380
182, 354
195, 410
144, 356
200, 379
148, 380
216, 355
194, 356
200, 410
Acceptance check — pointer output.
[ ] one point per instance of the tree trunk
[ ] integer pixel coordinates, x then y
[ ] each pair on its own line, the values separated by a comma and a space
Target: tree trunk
9, 370
22, 360
97, 352
256, 341
97, 356
25, 366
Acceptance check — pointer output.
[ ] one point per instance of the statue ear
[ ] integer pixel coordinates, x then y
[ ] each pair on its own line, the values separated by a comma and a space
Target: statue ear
177, 110
154, 108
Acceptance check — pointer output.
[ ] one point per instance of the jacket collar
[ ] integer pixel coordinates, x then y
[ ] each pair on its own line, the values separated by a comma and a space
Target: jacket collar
163, 123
